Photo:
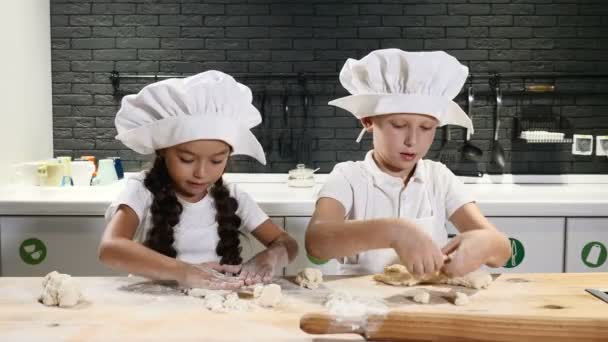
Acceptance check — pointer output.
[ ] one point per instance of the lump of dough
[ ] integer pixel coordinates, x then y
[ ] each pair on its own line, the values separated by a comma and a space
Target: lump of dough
270, 296
422, 297
257, 290
398, 275
59, 289
476, 280
461, 299
309, 278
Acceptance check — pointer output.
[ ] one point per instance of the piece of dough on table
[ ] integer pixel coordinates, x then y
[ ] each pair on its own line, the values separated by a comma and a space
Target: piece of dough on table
398, 275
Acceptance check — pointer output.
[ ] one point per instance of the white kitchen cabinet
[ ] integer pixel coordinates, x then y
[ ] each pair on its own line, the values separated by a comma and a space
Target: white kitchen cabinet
251, 246
37, 245
537, 243
587, 244
296, 228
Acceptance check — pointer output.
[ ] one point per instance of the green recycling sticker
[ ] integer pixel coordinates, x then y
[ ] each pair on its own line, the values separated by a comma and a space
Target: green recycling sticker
517, 253
594, 254
32, 251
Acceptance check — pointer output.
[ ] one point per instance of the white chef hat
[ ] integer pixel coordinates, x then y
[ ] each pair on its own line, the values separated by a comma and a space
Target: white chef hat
209, 105
395, 81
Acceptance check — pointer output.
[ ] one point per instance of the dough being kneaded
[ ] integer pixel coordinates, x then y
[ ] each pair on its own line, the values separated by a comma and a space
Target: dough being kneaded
59, 289
309, 278
398, 275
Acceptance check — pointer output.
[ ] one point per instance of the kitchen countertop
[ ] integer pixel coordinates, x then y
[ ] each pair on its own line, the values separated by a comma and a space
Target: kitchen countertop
524, 306
504, 195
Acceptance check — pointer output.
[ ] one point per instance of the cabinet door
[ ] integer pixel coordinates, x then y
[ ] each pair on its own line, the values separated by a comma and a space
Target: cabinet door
35, 246
587, 245
296, 228
537, 244
251, 246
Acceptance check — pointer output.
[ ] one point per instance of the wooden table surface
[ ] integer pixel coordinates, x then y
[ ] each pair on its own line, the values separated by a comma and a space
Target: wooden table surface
130, 308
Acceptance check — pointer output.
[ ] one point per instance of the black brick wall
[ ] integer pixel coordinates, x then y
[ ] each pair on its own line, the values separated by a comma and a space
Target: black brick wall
92, 38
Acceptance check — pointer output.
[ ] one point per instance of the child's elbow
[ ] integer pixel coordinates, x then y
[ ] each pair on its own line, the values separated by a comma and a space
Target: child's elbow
311, 243
105, 252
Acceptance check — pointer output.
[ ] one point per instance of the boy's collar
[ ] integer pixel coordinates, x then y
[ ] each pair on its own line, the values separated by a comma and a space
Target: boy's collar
381, 177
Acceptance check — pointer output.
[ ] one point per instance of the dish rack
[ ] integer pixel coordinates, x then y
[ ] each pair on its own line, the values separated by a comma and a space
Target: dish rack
542, 128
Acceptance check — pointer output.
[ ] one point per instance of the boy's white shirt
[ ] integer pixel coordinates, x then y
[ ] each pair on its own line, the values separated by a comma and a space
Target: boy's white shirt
196, 234
432, 195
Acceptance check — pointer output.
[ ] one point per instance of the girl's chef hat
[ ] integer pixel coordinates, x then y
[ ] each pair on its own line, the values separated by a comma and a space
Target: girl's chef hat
209, 105
395, 81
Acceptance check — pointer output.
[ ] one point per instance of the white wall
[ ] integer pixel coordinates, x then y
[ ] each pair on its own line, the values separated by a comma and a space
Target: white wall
26, 122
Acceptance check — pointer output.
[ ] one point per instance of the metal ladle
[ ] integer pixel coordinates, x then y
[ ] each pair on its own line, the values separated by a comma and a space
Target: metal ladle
470, 151
498, 153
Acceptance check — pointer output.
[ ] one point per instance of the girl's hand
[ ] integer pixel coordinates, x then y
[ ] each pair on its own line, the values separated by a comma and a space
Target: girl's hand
467, 251
416, 250
260, 268
205, 276
225, 269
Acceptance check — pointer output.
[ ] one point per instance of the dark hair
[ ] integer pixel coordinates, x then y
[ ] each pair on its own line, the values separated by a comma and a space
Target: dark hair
166, 211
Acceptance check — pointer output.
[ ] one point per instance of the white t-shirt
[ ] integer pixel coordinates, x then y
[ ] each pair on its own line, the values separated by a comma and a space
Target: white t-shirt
431, 181
196, 234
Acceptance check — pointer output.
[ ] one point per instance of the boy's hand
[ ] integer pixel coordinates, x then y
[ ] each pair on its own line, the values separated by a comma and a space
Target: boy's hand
416, 249
467, 251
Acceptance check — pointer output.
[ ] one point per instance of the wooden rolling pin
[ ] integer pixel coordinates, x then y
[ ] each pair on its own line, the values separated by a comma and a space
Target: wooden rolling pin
426, 326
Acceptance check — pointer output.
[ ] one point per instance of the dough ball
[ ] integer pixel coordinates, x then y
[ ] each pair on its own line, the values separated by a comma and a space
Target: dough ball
309, 278
270, 296
60, 290
422, 297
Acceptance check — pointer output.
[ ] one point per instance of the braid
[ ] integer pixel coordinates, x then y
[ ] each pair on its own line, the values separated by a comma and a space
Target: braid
228, 248
165, 209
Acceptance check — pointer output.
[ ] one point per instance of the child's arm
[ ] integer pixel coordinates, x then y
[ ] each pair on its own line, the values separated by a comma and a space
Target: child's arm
330, 236
119, 251
479, 242
280, 250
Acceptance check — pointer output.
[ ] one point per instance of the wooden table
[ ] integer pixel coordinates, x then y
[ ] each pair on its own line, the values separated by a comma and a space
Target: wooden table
128, 308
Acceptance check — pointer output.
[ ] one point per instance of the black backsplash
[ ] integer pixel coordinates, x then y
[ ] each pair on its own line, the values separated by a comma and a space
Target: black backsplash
90, 39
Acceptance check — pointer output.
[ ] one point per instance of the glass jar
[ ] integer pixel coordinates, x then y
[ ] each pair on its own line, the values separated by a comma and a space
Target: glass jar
301, 177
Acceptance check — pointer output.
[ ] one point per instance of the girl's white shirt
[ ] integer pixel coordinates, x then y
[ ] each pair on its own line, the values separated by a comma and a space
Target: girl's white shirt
196, 235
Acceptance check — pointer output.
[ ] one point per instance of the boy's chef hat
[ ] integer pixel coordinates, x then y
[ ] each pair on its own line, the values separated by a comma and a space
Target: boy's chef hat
209, 105
395, 81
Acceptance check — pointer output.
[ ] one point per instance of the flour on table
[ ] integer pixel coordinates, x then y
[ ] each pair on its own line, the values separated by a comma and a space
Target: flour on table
309, 278
59, 289
344, 306
398, 275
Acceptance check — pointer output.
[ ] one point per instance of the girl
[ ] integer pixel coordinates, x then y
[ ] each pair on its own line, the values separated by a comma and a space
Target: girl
185, 220
393, 206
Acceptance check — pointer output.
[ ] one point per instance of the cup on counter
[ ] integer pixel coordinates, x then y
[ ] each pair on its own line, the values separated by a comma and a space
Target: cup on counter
26, 173
120, 173
92, 159
106, 173
82, 172
66, 161
50, 173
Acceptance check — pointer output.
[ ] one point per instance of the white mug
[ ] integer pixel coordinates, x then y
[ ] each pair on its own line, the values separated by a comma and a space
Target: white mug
82, 171
106, 173
51, 173
27, 173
